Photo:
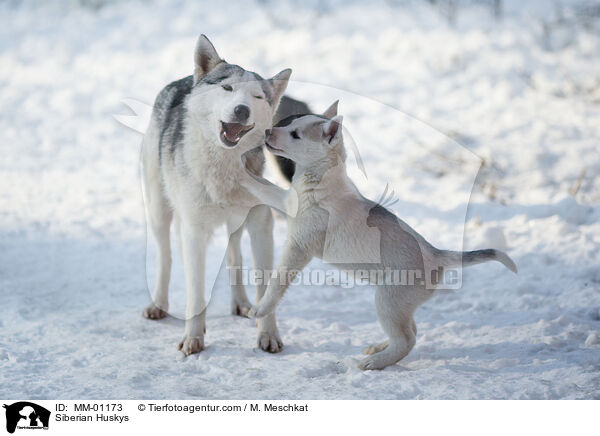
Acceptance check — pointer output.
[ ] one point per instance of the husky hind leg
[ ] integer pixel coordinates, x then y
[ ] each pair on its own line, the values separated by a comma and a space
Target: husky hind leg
395, 307
159, 215
159, 307
372, 349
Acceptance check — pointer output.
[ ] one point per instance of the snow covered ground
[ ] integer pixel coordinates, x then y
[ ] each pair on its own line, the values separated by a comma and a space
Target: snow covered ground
427, 96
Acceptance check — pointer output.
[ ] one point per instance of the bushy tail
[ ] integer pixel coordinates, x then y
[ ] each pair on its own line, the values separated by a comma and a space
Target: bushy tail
467, 258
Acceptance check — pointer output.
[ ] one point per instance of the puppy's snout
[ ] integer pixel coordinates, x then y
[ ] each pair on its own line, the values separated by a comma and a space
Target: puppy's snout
242, 113
267, 133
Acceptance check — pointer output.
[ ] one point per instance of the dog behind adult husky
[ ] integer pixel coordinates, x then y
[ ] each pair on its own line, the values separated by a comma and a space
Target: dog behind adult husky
200, 127
288, 107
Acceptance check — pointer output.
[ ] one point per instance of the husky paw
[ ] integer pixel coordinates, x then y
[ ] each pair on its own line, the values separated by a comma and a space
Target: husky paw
190, 345
241, 309
154, 312
372, 349
381, 359
270, 342
371, 362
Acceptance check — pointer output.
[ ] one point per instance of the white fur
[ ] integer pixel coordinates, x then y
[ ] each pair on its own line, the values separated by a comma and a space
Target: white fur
329, 219
199, 190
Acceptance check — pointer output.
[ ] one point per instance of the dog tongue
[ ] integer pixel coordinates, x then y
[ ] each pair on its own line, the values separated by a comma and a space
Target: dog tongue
233, 131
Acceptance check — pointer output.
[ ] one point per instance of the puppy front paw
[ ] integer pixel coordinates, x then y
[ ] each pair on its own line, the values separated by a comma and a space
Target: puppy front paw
259, 311
252, 312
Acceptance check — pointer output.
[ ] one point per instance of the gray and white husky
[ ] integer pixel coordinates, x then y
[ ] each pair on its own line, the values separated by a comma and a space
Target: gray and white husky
331, 220
201, 125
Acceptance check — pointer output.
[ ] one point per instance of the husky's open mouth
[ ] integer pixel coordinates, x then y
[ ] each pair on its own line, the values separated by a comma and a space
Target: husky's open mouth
231, 133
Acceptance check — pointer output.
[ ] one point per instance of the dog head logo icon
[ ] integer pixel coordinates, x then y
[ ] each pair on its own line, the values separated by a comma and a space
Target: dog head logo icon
26, 415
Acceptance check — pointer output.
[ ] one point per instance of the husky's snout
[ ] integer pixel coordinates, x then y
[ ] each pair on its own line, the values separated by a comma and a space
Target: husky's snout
242, 113
233, 131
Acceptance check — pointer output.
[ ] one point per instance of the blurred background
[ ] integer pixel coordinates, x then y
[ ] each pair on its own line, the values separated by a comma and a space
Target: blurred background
483, 116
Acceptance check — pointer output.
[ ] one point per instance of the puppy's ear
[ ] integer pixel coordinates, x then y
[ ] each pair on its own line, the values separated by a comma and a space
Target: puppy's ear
279, 82
332, 129
331, 111
205, 58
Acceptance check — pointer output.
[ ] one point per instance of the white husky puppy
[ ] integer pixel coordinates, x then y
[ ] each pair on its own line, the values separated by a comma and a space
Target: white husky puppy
191, 155
331, 220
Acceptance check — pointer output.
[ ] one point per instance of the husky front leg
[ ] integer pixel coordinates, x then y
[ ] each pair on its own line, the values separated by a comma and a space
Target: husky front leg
193, 243
260, 228
239, 301
292, 262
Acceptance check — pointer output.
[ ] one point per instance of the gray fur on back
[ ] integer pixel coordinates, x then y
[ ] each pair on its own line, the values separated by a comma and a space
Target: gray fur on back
289, 106
170, 112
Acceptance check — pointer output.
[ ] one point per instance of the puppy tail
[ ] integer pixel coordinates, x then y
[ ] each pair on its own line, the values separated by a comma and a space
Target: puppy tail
468, 258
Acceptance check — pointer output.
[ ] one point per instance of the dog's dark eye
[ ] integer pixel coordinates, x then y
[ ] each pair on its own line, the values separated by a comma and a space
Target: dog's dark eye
295, 135
260, 97
227, 87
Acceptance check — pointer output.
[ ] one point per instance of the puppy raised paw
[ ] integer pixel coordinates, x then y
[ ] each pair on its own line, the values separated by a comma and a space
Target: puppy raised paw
261, 310
258, 312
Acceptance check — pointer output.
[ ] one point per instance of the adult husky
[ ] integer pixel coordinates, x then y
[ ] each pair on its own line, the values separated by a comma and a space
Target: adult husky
192, 157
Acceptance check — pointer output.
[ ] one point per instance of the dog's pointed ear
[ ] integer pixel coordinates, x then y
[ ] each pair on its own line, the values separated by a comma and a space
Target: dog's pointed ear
332, 129
279, 83
205, 58
331, 111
